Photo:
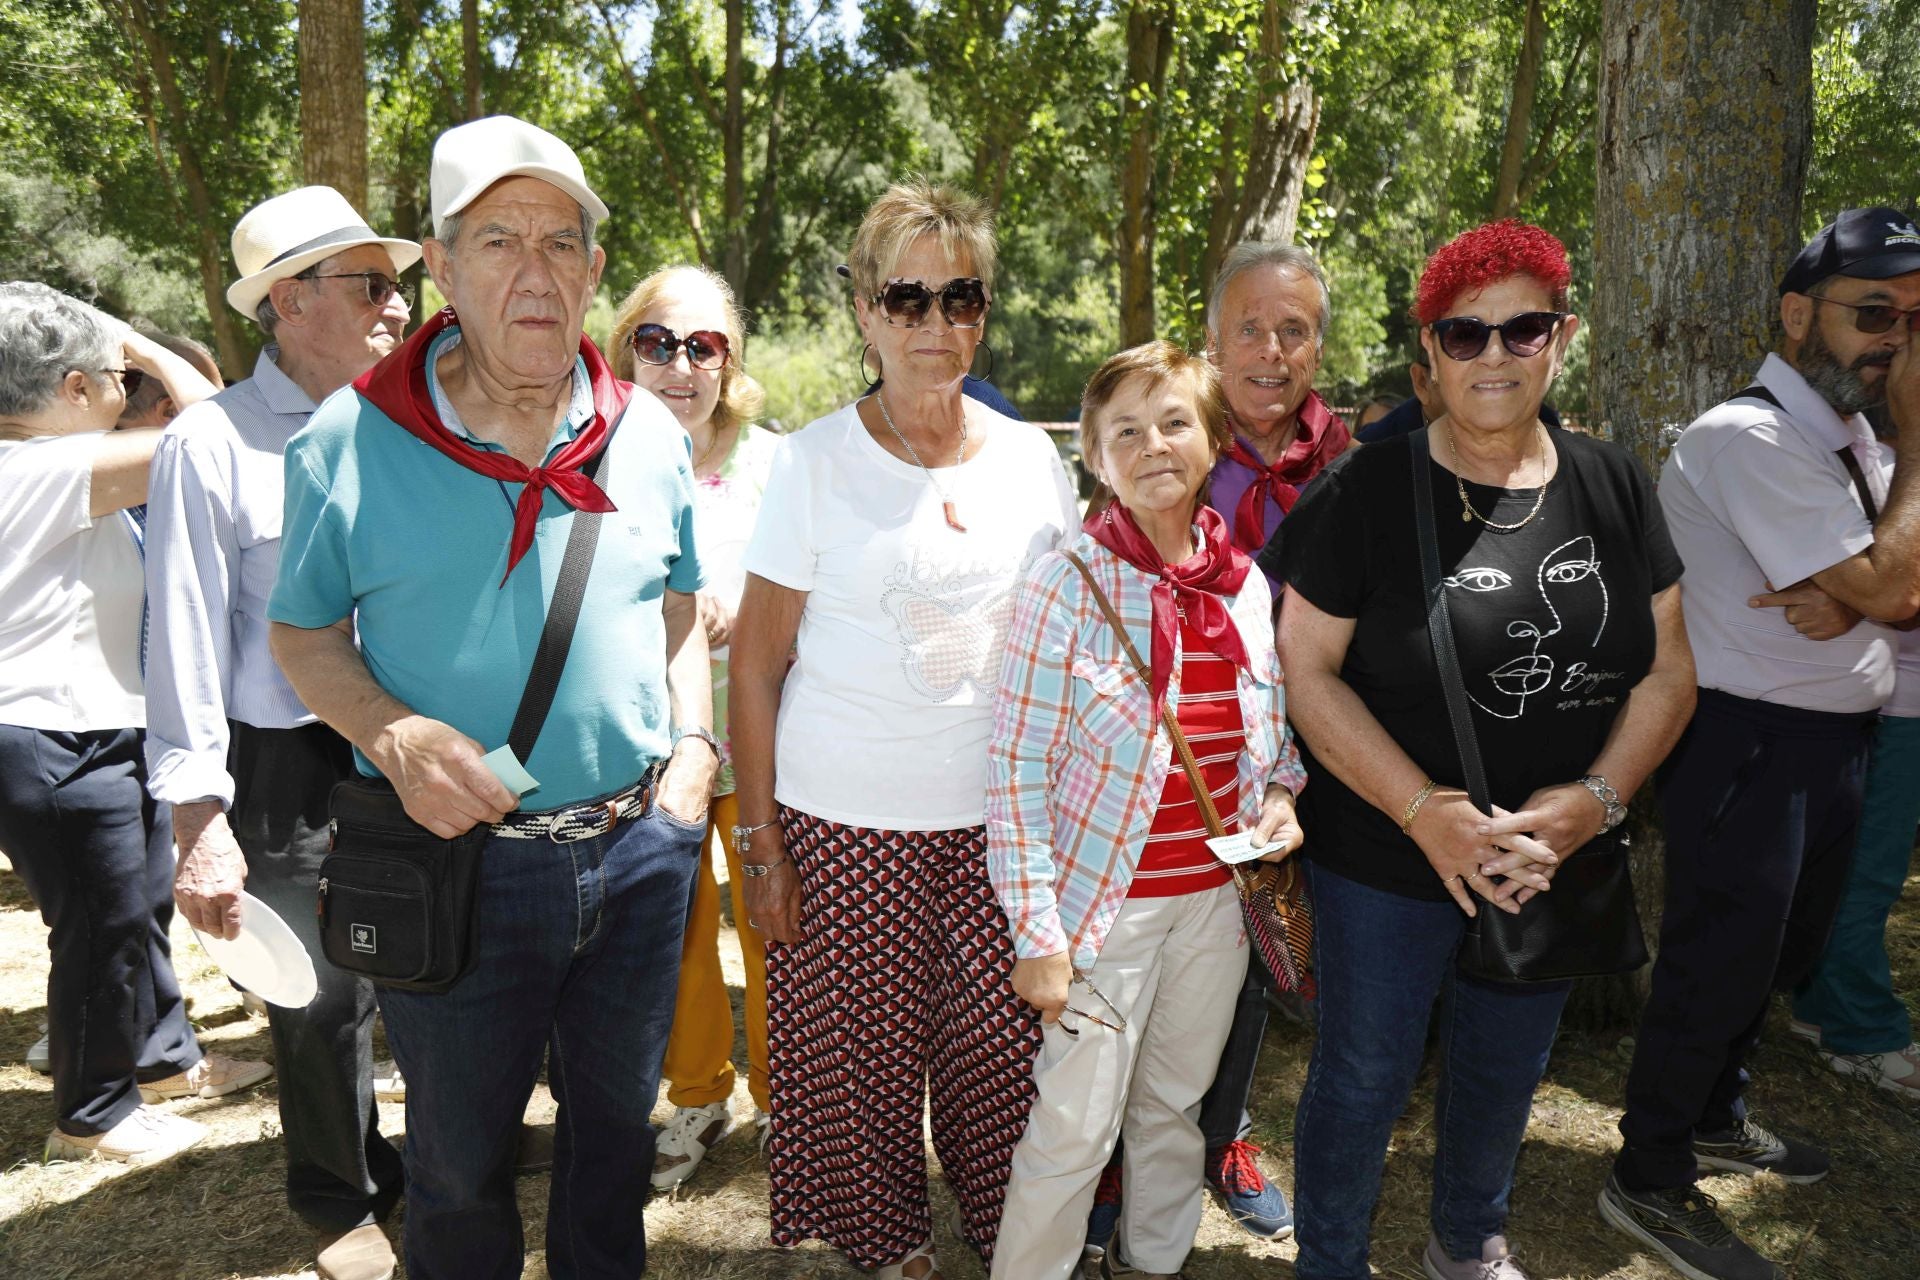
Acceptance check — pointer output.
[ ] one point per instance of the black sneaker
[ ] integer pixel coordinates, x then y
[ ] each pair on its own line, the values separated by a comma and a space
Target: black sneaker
1683, 1227
1748, 1148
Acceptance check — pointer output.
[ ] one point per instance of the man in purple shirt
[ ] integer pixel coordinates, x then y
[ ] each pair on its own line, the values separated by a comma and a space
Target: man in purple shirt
1266, 327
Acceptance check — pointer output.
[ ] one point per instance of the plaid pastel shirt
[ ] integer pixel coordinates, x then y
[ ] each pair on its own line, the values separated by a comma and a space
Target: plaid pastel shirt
1078, 758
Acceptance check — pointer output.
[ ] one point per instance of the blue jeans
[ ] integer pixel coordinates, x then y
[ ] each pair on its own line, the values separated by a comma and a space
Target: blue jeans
580, 952
1850, 996
1381, 960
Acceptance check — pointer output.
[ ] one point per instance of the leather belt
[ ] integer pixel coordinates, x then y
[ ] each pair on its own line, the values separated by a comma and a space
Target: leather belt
583, 821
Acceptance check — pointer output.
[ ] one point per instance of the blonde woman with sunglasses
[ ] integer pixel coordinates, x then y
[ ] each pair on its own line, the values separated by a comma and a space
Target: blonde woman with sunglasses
890, 541
680, 335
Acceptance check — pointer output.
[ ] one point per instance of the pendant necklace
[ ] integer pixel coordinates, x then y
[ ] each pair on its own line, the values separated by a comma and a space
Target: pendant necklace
1468, 514
946, 503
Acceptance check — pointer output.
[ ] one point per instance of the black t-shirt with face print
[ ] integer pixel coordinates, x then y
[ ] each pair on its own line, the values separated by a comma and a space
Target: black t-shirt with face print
1553, 621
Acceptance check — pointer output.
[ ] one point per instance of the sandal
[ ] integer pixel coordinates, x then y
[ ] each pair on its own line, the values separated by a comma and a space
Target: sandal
898, 1270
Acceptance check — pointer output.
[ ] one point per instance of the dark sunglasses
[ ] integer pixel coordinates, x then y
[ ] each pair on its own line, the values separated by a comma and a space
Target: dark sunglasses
130, 379
1871, 317
656, 344
963, 301
379, 287
1527, 334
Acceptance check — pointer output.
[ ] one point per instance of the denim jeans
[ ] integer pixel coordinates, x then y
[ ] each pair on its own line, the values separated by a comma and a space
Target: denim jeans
96, 853
579, 954
1850, 997
1381, 960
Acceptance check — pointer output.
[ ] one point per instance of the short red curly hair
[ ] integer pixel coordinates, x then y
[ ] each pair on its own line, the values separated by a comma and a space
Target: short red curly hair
1491, 252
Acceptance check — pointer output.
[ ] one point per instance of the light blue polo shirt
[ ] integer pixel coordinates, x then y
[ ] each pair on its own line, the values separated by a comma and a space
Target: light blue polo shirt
381, 525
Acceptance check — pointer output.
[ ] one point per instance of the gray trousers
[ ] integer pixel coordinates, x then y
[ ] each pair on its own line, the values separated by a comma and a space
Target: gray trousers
341, 1173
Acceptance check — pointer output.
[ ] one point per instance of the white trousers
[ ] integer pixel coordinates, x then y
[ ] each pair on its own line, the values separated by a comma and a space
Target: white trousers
1172, 968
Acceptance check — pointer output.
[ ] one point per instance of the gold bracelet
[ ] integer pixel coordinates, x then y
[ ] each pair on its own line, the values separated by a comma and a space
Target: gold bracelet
1413, 806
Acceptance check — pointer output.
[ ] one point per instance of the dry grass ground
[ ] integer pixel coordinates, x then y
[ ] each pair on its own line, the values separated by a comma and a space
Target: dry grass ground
217, 1212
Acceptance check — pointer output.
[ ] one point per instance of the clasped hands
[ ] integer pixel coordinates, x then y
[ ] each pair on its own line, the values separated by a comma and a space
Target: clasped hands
1504, 858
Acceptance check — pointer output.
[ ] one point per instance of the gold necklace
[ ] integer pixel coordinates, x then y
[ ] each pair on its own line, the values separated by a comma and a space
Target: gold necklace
700, 459
1468, 514
946, 503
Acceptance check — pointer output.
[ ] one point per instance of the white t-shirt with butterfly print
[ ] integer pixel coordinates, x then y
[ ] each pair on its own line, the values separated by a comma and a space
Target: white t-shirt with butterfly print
885, 715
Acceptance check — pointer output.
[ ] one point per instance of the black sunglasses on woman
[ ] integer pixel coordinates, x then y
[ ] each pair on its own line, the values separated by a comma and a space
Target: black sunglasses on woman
1527, 334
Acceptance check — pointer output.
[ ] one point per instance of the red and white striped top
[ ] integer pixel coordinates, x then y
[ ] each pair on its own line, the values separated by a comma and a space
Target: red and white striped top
1176, 859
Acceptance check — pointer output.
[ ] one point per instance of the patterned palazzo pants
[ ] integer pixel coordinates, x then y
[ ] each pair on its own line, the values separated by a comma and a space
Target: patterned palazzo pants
898, 991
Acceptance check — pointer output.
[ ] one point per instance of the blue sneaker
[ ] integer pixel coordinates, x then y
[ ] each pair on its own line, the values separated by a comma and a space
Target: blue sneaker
1105, 1216
1259, 1207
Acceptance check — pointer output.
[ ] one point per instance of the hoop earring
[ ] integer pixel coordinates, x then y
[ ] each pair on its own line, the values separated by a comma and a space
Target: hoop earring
873, 380
982, 377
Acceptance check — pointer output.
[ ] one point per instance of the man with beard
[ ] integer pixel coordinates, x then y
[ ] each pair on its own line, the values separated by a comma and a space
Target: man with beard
1783, 486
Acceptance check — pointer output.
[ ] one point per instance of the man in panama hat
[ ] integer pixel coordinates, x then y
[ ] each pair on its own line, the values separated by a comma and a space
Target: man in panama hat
245, 765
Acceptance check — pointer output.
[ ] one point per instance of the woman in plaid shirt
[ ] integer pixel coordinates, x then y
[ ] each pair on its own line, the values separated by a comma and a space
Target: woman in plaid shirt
1126, 927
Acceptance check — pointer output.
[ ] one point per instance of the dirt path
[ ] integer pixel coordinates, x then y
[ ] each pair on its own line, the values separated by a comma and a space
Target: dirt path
217, 1212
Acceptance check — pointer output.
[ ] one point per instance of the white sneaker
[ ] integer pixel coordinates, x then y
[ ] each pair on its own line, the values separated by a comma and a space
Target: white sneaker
1805, 1030
388, 1084
762, 1129
39, 1057
1897, 1071
214, 1076
145, 1137
684, 1143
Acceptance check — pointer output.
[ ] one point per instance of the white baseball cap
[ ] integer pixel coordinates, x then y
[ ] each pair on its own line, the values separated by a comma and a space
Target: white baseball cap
469, 158
279, 238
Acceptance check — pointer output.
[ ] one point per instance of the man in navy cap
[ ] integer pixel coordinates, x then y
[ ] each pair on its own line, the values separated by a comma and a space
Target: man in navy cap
1802, 545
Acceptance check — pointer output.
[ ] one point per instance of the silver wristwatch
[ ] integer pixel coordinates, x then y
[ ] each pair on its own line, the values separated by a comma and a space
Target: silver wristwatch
1603, 792
695, 731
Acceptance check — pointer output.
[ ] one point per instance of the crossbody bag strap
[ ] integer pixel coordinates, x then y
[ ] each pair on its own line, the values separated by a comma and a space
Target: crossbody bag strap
1195, 780
1846, 456
1446, 656
563, 614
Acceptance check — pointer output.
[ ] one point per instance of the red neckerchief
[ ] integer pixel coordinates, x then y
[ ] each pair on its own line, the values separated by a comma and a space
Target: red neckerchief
397, 387
1199, 583
1320, 438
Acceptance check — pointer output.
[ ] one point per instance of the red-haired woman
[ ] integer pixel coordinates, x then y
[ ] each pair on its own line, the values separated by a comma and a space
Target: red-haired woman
1560, 581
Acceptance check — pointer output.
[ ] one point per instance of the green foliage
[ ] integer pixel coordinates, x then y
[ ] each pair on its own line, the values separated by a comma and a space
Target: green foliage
1022, 102
1866, 132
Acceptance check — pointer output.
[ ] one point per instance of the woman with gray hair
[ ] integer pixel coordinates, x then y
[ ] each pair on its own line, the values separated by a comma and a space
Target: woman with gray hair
892, 535
75, 819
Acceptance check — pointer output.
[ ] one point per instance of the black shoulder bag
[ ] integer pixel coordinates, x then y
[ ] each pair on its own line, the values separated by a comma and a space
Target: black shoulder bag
397, 903
1588, 923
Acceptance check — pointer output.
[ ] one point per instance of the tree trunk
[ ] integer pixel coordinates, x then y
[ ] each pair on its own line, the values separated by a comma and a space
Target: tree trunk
733, 146
333, 97
1284, 127
1149, 41
1526, 82
470, 56
1705, 119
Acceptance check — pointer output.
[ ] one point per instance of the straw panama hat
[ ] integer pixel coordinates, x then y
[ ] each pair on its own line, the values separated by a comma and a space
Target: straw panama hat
469, 158
277, 239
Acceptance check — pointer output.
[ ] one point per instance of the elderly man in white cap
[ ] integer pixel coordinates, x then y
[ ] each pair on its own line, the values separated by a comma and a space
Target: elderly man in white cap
446, 558
246, 766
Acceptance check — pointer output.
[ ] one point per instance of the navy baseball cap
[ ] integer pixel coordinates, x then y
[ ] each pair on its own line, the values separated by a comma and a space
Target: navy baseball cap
1869, 244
